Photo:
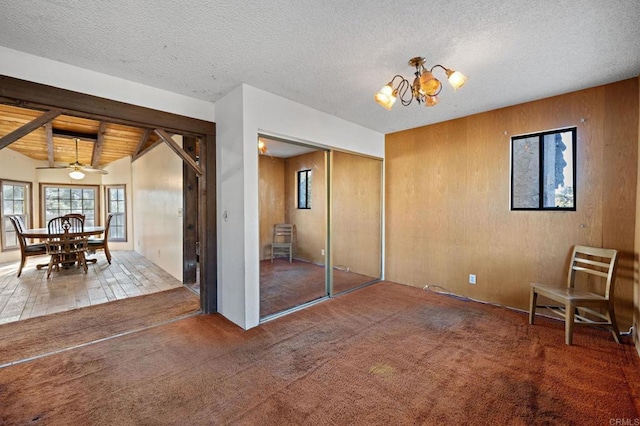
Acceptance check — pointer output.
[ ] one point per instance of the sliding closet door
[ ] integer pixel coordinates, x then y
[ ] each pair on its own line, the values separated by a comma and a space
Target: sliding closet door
292, 190
356, 227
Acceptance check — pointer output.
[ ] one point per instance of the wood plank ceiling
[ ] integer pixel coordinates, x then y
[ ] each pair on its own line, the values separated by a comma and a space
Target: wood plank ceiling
119, 140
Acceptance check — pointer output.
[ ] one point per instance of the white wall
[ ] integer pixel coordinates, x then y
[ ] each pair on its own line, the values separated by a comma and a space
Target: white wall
238, 236
157, 200
40, 70
120, 174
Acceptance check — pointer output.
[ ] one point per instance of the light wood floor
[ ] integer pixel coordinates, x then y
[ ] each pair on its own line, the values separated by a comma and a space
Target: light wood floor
32, 295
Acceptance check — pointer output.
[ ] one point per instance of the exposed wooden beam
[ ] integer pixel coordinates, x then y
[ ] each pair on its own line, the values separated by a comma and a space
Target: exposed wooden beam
141, 143
97, 147
49, 132
27, 94
207, 220
190, 214
176, 148
29, 127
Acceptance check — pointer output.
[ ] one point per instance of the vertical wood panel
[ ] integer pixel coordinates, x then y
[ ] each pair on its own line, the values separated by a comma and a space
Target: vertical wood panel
356, 200
447, 197
271, 199
189, 214
310, 225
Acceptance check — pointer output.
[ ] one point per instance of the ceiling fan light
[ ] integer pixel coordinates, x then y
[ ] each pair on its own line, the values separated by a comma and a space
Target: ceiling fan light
456, 78
76, 174
262, 147
386, 97
429, 85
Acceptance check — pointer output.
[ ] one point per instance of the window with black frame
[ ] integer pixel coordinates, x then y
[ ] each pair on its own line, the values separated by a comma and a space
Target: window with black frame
304, 189
543, 173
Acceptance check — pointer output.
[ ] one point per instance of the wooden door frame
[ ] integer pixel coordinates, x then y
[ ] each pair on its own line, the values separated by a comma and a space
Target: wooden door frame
26, 94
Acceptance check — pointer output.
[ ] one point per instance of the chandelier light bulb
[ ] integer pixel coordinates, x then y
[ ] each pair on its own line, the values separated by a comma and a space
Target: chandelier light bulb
456, 79
429, 85
430, 101
386, 97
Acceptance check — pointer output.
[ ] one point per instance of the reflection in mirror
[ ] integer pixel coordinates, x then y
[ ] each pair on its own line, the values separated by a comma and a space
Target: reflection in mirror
356, 233
287, 282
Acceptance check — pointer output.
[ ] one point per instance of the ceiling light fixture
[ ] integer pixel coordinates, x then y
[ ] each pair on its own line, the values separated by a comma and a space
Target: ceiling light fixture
76, 174
424, 89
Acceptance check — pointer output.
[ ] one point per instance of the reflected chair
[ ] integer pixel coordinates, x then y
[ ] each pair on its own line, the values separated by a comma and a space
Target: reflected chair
102, 243
26, 250
282, 244
64, 248
574, 302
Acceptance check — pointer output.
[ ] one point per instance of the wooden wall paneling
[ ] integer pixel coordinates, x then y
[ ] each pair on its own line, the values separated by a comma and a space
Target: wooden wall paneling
620, 165
356, 202
310, 225
436, 172
271, 198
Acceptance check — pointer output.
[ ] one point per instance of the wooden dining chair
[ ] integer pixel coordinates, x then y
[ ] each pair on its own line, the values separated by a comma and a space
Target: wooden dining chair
102, 243
26, 250
579, 302
66, 247
66, 223
282, 244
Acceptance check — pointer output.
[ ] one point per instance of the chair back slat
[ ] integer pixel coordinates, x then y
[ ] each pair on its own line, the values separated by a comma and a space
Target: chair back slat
65, 224
604, 266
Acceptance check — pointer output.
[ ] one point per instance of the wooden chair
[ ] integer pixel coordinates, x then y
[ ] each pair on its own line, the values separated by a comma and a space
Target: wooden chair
64, 248
282, 244
579, 306
102, 243
67, 223
26, 250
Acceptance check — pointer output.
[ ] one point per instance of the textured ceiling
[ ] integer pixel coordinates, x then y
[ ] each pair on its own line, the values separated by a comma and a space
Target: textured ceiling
333, 55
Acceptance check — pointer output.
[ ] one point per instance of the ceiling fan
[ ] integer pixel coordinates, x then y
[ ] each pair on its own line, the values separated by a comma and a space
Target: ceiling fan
77, 169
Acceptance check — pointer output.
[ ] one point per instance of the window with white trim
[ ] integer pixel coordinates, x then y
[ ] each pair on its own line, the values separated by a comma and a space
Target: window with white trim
59, 200
117, 205
14, 202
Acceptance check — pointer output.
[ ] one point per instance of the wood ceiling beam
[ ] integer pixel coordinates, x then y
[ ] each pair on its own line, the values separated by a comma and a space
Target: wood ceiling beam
49, 133
27, 94
97, 147
141, 143
178, 150
29, 127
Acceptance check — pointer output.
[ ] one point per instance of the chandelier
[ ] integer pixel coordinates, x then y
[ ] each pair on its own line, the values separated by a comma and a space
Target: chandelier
424, 89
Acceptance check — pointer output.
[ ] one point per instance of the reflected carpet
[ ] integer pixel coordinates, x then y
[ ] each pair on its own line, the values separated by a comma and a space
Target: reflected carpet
385, 354
284, 285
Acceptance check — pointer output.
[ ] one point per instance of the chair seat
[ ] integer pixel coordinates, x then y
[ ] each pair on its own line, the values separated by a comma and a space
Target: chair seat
95, 242
567, 293
35, 248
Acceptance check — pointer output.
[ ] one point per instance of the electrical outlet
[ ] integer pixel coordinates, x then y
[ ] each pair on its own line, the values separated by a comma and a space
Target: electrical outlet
472, 278
322, 252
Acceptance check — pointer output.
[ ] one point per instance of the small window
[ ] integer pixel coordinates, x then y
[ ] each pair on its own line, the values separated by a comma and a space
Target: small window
116, 205
14, 202
304, 189
543, 174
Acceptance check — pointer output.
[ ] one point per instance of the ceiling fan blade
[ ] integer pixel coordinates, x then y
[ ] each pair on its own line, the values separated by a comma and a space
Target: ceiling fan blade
53, 167
92, 170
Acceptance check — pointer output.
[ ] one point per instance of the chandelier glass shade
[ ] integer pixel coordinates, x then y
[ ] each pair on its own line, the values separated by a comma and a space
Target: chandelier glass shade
424, 89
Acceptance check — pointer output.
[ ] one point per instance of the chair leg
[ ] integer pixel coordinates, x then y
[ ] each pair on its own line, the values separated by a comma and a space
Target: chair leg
533, 300
568, 326
271, 254
614, 325
107, 253
290, 255
23, 260
53, 259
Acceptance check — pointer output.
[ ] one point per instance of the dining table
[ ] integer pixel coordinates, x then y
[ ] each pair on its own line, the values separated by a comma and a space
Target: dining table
45, 233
